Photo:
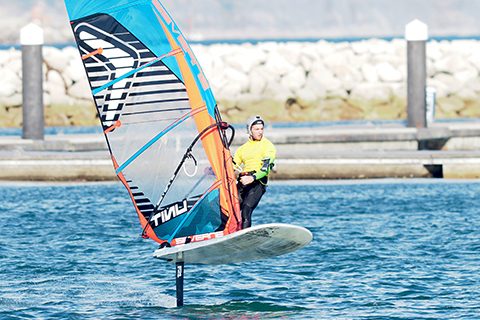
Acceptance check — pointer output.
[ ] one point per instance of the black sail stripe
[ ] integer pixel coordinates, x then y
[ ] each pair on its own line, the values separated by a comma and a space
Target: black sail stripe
154, 73
155, 106
152, 98
144, 200
134, 94
127, 37
155, 83
100, 78
147, 54
94, 69
165, 86
155, 102
155, 111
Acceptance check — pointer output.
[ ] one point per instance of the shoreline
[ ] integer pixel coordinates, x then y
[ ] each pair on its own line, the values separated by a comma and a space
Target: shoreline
290, 182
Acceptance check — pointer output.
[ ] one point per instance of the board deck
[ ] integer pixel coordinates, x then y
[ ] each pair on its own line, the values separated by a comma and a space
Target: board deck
258, 242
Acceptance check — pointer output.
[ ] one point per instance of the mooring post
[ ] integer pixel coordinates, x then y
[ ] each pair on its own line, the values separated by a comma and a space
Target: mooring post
179, 275
431, 94
416, 34
31, 39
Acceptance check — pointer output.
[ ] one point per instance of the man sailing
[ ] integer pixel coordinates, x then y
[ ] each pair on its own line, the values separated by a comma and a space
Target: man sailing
253, 161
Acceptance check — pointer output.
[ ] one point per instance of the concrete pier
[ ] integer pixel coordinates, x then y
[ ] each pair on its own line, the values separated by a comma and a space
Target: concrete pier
338, 152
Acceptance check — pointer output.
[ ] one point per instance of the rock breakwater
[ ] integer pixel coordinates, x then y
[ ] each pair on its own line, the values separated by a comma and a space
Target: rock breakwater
321, 81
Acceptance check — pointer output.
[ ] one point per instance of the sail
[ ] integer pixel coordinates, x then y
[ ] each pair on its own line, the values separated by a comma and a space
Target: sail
160, 119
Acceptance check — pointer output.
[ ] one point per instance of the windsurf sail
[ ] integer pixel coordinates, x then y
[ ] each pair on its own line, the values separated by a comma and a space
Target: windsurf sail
166, 138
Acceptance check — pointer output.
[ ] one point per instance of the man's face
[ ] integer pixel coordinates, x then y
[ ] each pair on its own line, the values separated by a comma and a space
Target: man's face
257, 131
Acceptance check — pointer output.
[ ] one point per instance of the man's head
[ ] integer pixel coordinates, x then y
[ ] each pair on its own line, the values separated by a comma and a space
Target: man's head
255, 127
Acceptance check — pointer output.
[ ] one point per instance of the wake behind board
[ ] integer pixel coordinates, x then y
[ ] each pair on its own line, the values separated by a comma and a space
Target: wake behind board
258, 242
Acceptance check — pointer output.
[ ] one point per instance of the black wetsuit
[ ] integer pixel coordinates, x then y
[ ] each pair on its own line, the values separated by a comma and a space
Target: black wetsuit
250, 196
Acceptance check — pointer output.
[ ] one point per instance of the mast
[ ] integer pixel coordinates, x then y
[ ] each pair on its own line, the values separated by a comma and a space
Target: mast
179, 276
179, 282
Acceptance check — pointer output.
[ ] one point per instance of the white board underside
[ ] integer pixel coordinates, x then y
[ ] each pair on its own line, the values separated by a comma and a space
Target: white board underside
258, 242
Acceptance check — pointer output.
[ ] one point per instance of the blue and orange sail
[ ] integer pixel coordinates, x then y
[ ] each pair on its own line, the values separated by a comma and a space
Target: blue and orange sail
160, 119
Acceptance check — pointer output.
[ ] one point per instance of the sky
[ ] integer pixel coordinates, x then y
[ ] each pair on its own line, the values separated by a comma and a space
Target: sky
257, 19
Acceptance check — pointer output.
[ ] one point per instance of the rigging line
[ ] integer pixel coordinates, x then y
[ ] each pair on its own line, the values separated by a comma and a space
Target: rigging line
225, 126
158, 136
177, 170
191, 175
187, 215
128, 74
184, 158
196, 185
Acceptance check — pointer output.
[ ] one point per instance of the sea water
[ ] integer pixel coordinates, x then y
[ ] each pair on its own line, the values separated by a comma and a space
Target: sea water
387, 249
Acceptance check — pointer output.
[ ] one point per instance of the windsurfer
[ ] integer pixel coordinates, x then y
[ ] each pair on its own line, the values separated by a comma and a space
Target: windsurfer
253, 161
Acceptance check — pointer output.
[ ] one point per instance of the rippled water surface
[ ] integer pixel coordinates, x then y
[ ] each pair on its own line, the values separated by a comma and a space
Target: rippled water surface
381, 250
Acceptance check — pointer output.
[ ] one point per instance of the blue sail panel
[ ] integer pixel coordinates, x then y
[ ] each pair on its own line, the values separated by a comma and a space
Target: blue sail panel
141, 19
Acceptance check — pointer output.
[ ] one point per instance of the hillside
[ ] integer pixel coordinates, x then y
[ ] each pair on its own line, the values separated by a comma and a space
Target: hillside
237, 19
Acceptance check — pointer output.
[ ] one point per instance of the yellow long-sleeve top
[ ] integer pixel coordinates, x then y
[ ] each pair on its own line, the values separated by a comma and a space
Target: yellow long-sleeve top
252, 155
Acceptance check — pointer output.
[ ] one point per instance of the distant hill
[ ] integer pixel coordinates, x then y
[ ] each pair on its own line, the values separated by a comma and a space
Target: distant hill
257, 19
